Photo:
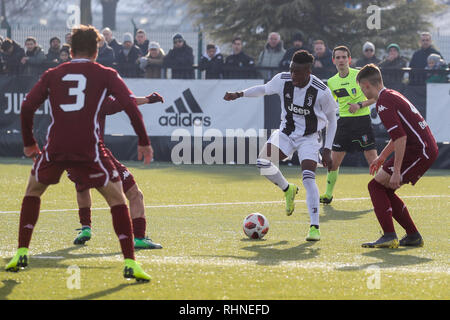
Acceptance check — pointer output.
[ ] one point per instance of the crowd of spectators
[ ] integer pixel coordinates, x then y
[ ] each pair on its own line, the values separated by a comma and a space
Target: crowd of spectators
138, 57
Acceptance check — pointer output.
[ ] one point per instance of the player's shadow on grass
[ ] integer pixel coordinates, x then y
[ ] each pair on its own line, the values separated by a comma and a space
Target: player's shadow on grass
389, 259
269, 255
8, 286
331, 213
53, 259
100, 294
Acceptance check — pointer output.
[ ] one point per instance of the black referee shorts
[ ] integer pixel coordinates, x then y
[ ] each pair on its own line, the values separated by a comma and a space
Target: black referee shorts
354, 134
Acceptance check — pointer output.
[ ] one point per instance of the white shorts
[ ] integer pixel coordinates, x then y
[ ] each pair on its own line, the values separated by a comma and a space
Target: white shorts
307, 147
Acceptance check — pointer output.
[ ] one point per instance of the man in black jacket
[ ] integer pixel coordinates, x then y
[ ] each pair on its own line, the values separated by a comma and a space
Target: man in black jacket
111, 41
297, 44
12, 56
128, 58
238, 65
141, 41
180, 59
53, 52
212, 62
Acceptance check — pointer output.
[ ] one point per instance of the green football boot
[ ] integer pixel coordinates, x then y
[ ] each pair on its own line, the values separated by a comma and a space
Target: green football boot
133, 270
388, 240
146, 243
20, 260
290, 196
83, 236
313, 234
325, 199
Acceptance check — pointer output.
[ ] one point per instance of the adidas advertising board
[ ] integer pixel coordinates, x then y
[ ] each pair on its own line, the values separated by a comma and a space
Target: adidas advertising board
189, 104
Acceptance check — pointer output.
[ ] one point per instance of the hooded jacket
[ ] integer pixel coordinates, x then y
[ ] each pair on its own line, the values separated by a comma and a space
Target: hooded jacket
213, 66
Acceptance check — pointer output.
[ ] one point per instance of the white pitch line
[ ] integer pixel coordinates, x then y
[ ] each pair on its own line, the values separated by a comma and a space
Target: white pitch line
233, 203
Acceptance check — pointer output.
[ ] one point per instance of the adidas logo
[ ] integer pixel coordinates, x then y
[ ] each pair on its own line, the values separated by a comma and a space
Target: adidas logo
194, 114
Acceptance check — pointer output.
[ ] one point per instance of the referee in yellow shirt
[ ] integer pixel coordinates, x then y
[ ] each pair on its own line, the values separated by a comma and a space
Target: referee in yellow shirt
354, 126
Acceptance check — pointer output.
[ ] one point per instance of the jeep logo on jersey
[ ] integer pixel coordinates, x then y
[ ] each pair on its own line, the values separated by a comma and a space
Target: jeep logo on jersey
193, 116
300, 110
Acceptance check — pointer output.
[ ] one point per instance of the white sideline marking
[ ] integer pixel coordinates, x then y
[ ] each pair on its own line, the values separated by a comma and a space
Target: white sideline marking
234, 203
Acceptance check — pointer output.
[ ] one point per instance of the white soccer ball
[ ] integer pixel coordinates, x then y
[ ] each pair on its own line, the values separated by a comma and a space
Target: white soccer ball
256, 226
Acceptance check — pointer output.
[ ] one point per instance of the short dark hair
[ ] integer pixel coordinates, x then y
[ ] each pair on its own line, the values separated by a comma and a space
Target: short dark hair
371, 73
342, 48
237, 38
210, 46
84, 40
31, 39
302, 57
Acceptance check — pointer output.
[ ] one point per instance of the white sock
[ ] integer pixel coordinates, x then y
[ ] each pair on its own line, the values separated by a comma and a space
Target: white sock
271, 172
312, 196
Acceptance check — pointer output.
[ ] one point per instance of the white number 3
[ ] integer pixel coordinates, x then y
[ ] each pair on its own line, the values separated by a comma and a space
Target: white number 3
78, 91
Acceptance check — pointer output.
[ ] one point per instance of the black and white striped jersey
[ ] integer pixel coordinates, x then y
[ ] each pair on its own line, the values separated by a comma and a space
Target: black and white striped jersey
303, 110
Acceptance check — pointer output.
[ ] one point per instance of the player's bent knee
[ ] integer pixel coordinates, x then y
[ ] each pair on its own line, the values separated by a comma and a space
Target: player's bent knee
35, 188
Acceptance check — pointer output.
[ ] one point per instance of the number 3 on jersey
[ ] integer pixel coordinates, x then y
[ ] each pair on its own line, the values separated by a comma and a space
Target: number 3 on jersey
78, 91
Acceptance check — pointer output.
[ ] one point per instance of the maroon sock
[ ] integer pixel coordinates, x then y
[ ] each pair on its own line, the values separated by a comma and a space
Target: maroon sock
85, 216
381, 205
139, 225
124, 230
29, 215
401, 213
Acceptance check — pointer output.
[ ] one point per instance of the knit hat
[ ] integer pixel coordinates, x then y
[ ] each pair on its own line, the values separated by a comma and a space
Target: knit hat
154, 45
177, 37
297, 37
54, 38
127, 37
393, 45
368, 45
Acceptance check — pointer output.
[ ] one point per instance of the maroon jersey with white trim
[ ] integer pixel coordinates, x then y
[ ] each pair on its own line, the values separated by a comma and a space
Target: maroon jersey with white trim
76, 91
401, 118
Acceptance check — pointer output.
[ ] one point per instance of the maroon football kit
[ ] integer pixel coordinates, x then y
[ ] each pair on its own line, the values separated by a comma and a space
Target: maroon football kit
401, 118
76, 91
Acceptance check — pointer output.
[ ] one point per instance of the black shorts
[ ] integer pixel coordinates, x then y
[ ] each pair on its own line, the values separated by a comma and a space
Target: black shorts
354, 134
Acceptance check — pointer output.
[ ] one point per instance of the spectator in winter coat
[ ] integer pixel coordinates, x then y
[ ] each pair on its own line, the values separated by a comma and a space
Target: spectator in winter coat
212, 61
368, 56
297, 44
141, 41
437, 65
391, 67
153, 61
180, 59
271, 55
128, 58
394, 60
111, 41
105, 53
238, 65
53, 53
34, 59
323, 66
12, 56
419, 59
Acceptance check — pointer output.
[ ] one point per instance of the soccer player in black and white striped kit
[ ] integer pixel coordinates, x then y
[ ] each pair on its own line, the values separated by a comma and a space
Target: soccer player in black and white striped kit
307, 107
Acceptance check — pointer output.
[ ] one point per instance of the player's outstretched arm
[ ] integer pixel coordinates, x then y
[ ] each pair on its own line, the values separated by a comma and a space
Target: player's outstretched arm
329, 107
111, 106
